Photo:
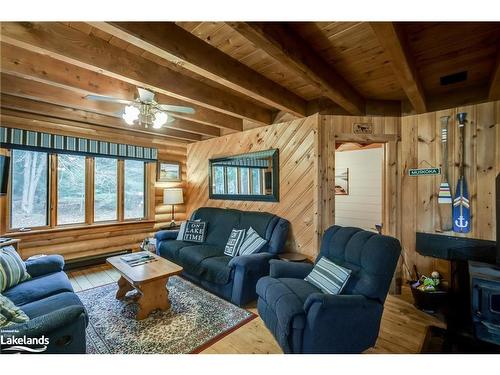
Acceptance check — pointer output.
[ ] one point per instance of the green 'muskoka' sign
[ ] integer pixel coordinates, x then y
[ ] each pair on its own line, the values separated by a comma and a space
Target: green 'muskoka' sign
424, 172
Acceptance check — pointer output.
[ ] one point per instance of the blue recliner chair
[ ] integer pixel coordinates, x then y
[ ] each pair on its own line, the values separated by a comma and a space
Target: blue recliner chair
303, 319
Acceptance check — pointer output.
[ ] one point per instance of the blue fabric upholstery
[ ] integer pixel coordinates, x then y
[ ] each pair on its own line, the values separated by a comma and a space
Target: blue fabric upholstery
231, 278
44, 265
305, 320
166, 235
55, 311
39, 288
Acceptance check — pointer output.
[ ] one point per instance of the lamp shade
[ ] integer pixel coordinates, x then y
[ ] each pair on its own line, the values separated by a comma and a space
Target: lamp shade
173, 196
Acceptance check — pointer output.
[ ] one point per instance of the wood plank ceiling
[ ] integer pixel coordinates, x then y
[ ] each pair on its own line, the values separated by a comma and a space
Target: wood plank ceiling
237, 73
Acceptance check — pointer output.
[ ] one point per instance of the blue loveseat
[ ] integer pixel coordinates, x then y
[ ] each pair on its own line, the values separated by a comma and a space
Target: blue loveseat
235, 278
303, 319
55, 311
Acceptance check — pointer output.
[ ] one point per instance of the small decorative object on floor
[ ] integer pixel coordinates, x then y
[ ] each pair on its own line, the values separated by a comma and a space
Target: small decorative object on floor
428, 292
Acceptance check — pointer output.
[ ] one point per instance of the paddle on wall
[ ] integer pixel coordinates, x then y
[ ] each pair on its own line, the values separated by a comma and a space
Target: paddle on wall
444, 195
461, 206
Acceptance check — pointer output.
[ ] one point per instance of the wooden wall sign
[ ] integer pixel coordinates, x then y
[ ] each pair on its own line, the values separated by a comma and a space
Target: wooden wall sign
362, 128
424, 172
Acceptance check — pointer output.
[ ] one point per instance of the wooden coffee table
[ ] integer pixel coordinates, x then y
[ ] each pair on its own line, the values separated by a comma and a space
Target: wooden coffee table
149, 279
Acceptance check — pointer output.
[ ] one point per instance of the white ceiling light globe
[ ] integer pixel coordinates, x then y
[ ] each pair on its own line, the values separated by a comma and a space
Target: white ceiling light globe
160, 119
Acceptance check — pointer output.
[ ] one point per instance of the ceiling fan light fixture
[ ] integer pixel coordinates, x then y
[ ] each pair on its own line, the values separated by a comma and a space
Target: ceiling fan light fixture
131, 114
160, 118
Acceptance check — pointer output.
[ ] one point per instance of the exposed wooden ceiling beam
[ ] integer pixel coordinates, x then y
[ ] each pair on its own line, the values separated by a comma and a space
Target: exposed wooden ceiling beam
394, 44
286, 46
87, 51
43, 68
173, 43
494, 91
47, 109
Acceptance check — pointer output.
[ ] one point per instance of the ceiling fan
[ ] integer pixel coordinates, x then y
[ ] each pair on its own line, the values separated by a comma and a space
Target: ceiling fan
144, 110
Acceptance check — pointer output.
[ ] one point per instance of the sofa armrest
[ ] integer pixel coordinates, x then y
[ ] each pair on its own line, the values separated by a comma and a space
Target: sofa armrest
44, 265
167, 234
340, 323
281, 269
45, 324
254, 262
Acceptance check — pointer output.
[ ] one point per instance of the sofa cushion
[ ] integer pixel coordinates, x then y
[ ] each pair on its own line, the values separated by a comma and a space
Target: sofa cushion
12, 268
10, 313
191, 257
38, 288
234, 242
51, 303
170, 249
328, 276
216, 269
286, 297
195, 231
220, 223
259, 221
253, 243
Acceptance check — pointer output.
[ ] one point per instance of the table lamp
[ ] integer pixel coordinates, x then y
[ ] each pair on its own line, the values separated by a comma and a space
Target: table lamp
173, 196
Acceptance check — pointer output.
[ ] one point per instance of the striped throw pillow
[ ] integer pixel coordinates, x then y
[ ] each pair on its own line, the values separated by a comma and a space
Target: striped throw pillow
328, 276
10, 313
12, 268
252, 243
234, 242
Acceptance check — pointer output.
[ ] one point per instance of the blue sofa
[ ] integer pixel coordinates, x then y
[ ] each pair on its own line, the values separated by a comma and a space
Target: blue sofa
303, 319
233, 279
55, 311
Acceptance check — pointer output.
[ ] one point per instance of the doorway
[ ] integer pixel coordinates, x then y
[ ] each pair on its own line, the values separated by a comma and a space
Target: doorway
359, 185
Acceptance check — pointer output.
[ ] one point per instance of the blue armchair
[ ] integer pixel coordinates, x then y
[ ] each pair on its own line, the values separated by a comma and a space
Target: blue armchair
303, 319
55, 311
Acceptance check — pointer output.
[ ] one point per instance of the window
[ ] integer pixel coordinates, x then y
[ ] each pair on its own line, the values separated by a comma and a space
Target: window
244, 181
105, 189
29, 201
134, 189
87, 190
256, 181
232, 180
219, 185
70, 189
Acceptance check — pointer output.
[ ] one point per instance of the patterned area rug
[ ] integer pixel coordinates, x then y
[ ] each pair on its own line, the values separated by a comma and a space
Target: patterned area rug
196, 320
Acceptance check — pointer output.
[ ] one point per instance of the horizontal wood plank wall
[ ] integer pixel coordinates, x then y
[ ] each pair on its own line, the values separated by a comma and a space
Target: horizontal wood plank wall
101, 239
421, 146
296, 143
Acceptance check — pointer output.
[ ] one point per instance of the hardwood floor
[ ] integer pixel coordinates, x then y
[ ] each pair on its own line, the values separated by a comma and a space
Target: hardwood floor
402, 330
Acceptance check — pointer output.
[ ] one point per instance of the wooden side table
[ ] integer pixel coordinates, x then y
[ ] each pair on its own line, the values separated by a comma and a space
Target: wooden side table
293, 257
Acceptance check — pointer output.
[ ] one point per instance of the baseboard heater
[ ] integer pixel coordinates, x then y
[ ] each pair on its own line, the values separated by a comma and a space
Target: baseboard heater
92, 260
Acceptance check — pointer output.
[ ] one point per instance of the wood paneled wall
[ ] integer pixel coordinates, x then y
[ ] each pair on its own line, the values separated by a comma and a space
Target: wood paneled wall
421, 146
100, 239
296, 141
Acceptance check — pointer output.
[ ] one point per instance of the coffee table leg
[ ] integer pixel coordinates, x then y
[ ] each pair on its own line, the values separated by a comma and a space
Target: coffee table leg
123, 287
154, 295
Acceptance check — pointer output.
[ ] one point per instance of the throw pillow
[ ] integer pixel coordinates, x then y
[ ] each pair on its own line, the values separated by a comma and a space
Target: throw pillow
10, 313
328, 276
195, 231
234, 242
252, 243
182, 229
12, 268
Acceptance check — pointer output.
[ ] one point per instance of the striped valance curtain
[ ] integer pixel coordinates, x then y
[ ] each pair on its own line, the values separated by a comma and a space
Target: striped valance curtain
259, 159
45, 142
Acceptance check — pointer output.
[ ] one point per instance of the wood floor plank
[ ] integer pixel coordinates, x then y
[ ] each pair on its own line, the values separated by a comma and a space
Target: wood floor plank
402, 329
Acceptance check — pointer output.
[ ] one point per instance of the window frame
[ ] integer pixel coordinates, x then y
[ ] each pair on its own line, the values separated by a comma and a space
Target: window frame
9, 194
55, 195
52, 159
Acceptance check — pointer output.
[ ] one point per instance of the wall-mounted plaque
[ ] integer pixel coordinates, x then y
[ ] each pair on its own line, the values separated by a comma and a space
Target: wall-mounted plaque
362, 128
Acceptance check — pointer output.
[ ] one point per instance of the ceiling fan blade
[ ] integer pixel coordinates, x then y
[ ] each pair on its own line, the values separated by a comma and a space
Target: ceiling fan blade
110, 99
145, 95
176, 108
